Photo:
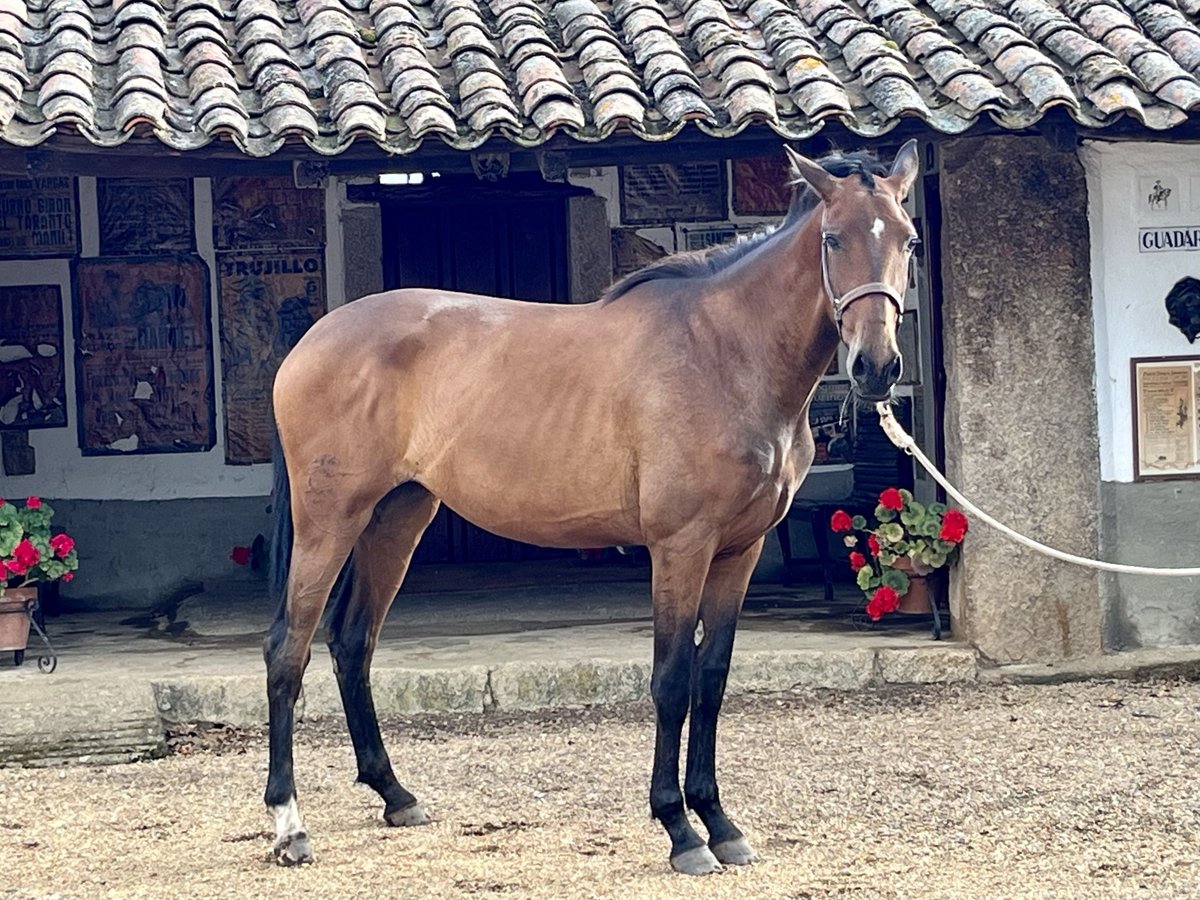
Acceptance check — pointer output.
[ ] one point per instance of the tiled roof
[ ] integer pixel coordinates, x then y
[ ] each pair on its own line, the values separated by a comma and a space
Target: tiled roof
329, 72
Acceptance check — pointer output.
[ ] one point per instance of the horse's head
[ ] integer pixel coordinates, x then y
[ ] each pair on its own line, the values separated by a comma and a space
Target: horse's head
867, 240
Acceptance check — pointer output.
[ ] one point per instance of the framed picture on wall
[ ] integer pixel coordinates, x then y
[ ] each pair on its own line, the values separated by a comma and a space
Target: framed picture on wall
143, 341
32, 372
1166, 417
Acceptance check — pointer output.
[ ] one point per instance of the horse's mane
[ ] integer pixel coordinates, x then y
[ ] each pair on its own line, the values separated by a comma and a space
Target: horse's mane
703, 263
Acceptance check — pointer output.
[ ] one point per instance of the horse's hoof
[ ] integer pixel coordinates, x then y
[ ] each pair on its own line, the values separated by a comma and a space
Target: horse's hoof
413, 814
293, 850
734, 852
697, 861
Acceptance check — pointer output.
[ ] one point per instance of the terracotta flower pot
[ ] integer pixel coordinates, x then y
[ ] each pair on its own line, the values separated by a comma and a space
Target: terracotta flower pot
917, 600
14, 618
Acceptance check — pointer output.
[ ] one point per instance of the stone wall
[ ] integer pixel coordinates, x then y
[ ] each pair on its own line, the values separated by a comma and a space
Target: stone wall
1151, 524
1021, 433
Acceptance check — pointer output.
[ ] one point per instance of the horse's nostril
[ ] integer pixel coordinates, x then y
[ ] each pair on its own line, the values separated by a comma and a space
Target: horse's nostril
859, 368
893, 370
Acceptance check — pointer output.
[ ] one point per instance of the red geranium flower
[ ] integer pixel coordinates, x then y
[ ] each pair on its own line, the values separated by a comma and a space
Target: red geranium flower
68, 576
840, 521
62, 544
891, 499
33, 503
857, 561
26, 556
954, 526
240, 555
873, 544
883, 601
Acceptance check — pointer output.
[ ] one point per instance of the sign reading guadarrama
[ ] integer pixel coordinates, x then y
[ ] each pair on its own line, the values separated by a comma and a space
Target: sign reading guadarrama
1157, 240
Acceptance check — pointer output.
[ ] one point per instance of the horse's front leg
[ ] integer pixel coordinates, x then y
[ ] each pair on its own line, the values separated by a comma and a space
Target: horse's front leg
678, 579
728, 579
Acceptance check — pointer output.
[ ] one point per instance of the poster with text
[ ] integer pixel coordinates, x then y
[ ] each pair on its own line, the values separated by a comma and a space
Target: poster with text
38, 217
144, 343
32, 374
656, 193
267, 302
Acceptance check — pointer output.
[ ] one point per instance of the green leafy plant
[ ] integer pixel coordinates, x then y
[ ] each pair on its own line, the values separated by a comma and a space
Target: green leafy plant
907, 536
29, 552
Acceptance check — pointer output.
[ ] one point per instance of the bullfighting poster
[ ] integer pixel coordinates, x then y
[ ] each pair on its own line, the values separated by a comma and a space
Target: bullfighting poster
661, 193
267, 301
266, 212
38, 217
143, 339
761, 186
140, 216
32, 389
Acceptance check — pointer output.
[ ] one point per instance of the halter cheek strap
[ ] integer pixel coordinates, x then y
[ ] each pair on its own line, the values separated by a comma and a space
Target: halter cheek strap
842, 303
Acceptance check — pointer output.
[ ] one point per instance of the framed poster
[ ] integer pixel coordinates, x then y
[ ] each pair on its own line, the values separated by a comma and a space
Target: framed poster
1166, 417
32, 372
830, 423
38, 217
143, 342
661, 193
139, 216
267, 302
266, 212
762, 185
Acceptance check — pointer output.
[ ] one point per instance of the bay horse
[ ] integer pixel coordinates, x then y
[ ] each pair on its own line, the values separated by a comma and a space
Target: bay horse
671, 413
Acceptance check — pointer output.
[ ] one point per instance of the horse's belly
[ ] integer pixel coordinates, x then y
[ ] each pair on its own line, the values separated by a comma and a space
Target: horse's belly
578, 521
540, 497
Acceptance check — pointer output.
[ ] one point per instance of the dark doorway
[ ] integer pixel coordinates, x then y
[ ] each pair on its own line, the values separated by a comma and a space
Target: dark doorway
507, 239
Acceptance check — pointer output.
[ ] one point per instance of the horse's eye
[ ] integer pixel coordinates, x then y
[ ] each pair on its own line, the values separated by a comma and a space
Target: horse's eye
831, 241
913, 243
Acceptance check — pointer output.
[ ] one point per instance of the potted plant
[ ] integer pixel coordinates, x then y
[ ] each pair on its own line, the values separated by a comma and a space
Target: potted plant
908, 542
29, 554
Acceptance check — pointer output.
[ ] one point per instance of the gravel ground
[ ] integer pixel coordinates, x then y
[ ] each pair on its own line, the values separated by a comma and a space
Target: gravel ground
1074, 791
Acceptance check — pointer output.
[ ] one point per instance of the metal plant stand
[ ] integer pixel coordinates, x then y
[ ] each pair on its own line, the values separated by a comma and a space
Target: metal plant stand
48, 659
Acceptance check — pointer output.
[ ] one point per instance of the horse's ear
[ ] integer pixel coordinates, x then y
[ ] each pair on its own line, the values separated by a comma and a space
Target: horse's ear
905, 168
811, 173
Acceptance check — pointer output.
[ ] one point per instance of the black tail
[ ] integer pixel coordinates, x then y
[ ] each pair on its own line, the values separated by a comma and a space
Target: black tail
281, 534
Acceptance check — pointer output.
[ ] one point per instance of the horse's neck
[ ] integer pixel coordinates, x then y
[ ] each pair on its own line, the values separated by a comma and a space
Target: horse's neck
774, 304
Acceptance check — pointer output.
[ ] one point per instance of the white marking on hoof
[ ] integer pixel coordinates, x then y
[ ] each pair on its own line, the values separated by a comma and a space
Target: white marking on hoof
292, 847
697, 861
406, 818
736, 852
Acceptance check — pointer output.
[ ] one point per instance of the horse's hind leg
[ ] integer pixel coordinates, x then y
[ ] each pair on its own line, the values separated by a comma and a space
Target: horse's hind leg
724, 591
318, 552
377, 567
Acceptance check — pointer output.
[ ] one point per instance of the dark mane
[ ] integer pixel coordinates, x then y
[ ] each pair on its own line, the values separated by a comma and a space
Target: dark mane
703, 263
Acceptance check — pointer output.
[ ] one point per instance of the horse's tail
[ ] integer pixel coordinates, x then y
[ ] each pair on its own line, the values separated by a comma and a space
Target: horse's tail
281, 534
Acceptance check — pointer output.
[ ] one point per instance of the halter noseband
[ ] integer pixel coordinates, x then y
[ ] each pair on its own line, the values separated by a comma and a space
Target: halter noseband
842, 303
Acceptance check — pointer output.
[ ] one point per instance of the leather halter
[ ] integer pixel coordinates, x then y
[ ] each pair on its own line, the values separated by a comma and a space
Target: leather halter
842, 303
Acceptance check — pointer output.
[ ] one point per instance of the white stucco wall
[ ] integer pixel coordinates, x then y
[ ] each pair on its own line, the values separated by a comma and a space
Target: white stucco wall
1129, 286
62, 471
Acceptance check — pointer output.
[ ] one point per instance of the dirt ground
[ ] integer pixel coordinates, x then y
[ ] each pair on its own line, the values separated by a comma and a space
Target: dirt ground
1078, 791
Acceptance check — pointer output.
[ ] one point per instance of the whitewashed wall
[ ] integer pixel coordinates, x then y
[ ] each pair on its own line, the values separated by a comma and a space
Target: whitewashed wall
62, 471
1129, 285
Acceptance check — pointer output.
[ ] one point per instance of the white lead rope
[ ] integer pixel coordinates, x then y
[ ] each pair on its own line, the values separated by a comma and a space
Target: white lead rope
898, 436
